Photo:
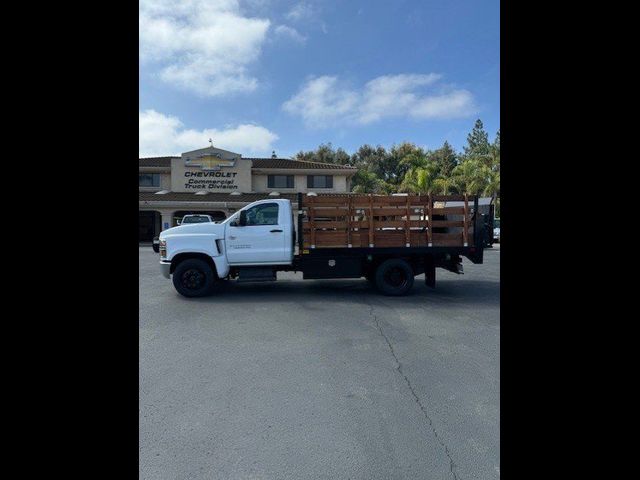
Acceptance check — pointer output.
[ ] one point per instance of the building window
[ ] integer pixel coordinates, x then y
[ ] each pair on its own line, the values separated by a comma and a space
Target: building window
319, 181
149, 179
280, 181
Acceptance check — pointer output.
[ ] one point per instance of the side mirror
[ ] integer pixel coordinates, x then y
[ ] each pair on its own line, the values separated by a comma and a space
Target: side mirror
243, 218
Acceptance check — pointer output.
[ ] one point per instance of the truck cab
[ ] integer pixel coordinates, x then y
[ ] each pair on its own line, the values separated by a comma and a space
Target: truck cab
260, 234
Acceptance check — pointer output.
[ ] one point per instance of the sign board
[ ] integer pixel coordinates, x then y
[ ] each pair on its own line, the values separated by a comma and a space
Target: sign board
211, 170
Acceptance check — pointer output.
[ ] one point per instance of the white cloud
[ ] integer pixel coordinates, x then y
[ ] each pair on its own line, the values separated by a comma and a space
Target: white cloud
203, 46
161, 135
290, 32
323, 101
320, 101
301, 11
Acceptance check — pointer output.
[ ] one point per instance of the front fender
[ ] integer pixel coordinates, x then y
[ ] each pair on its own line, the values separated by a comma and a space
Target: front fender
197, 243
204, 244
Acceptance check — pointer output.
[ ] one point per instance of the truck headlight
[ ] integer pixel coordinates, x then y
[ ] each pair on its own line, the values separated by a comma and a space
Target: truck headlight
163, 249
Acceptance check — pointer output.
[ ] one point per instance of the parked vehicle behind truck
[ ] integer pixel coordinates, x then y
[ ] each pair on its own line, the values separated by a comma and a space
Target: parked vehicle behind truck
386, 239
196, 218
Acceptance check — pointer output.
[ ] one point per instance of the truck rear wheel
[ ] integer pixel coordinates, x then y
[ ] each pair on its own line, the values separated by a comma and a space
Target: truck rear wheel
194, 278
394, 277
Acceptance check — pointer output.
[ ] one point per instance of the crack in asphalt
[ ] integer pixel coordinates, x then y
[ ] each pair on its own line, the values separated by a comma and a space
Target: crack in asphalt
452, 464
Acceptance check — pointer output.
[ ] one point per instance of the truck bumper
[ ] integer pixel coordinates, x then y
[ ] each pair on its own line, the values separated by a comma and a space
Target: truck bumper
165, 268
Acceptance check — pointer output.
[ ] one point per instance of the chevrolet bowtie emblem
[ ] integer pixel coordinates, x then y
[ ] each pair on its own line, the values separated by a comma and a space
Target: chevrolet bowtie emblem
209, 162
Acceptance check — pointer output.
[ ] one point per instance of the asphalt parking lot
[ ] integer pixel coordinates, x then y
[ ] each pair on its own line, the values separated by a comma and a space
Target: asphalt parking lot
321, 379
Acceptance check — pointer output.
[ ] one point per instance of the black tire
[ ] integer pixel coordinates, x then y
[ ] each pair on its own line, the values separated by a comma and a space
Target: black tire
394, 277
194, 278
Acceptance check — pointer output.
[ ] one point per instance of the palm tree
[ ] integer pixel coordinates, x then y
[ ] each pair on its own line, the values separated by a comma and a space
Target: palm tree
419, 179
444, 185
420, 175
470, 176
492, 188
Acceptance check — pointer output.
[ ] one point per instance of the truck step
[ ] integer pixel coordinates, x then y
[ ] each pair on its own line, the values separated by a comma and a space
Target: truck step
256, 274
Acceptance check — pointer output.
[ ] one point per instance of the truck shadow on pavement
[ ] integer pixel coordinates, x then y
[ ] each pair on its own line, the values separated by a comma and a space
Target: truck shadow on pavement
477, 292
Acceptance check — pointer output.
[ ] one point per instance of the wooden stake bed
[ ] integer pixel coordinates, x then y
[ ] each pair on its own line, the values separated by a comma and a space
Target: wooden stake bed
352, 221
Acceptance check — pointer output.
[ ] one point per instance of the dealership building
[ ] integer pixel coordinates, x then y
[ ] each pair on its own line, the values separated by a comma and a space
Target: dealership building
218, 182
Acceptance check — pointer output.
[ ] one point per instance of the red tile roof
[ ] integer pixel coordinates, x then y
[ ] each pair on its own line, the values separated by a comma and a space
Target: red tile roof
281, 163
299, 164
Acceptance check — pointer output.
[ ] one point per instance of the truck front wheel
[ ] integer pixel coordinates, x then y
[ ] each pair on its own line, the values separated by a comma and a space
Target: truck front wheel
194, 278
394, 277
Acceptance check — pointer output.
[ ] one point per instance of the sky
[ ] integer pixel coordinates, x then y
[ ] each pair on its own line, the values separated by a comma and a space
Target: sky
258, 76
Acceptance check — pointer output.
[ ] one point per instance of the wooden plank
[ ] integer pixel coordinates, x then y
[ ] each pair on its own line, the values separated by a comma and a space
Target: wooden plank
356, 240
364, 237
390, 238
331, 239
395, 223
330, 212
429, 211
418, 239
332, 201
371, 229
466, 220
390, 223
389, 201
311, 222
448, 223
332, 224
476, 214
389, 212
407, 228
349, 217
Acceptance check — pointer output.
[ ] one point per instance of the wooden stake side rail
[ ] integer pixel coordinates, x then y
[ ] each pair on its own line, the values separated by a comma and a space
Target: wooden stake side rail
347, 221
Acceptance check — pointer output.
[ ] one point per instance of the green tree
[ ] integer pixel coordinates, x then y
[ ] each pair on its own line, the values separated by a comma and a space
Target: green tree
444, 185
477, 141
492, 187
367, 182
445, 158
470, 176
393, 169
420, 175
368, 157
325, 153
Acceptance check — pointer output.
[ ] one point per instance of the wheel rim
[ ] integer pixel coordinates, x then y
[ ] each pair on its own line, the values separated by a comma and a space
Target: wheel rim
193, 279
395, 277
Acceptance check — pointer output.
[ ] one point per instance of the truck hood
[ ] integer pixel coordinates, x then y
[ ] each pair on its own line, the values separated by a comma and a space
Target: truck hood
208, 228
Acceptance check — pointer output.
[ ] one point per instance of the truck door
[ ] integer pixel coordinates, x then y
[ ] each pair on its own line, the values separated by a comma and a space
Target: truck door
261, 240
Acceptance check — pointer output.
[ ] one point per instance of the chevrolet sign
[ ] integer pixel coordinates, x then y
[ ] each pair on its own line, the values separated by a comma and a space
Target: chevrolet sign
209, 161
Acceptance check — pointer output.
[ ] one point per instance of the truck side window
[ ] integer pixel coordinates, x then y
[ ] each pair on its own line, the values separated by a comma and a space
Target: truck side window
264, 214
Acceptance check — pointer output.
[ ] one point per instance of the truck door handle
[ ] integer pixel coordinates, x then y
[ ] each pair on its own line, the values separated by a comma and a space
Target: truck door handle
274, 231
231, 237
